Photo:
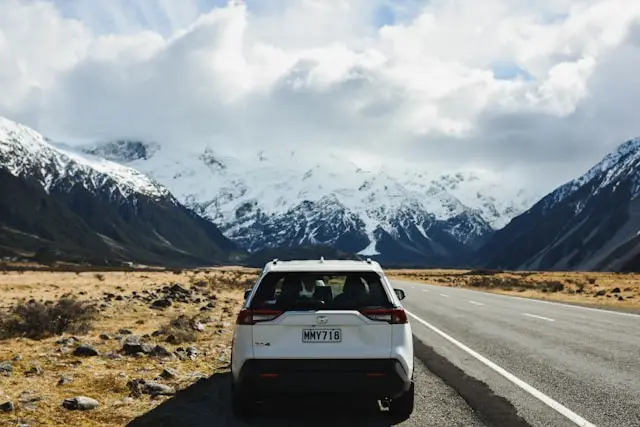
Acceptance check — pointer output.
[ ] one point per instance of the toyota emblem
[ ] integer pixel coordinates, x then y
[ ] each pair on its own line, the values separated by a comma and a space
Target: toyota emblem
322, 320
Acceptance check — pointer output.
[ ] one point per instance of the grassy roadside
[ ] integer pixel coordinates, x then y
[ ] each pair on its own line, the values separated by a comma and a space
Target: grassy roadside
182, 340
604, 290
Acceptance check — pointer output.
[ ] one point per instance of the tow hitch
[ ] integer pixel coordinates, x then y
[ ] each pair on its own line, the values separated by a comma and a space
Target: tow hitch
384, 404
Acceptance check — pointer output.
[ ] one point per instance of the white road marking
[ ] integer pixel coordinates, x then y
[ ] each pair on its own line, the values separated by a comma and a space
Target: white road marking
444, 295
575, 418
476, 303
548, 319
579, 307
426, 290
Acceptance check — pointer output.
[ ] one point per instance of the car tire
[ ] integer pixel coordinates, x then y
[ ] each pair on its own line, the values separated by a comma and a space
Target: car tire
242, 405
401, 407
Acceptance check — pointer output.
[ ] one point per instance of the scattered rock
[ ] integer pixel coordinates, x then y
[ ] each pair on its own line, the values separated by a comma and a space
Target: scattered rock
125, 331
192, 352
600, 293
620, 298
85, 350
140, 386
119, 298
162, 303
17, 358
81, 403
105, 337
615, 291
67, 341
7, 407
160, 351
34, 370
133, 346
169, 373
64, 380
6, 368
140, 322
177, 289
198, 327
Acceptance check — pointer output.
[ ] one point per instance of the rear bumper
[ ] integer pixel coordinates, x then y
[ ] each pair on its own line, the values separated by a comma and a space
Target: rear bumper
373, 377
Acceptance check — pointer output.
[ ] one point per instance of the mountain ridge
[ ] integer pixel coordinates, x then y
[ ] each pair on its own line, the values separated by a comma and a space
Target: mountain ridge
87, 208
588, 223
282, 198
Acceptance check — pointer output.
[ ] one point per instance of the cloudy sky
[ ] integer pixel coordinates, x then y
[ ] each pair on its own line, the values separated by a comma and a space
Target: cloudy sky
539, 89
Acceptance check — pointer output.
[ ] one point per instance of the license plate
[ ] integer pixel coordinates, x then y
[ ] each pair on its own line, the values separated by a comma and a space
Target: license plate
322, 335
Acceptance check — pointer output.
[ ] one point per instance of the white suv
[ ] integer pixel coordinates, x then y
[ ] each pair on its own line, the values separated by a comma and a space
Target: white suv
323, 327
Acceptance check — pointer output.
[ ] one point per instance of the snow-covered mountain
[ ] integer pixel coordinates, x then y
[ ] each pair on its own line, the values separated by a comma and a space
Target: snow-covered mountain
53, 197
589, 223
25, 152
277, 198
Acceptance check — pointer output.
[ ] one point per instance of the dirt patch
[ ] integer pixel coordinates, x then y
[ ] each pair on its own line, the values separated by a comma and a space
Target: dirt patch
127, 361
610, 290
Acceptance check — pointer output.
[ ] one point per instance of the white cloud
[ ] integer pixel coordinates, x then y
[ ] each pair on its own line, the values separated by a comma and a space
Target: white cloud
423, 88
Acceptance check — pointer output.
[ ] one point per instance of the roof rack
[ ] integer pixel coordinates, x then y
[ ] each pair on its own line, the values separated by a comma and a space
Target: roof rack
275, 261
368, 260
321, 259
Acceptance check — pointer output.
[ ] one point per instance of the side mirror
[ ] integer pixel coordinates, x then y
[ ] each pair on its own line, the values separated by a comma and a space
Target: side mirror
400, 294
246, 293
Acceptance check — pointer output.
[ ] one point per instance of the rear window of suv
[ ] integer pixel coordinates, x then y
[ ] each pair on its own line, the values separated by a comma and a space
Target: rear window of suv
321, 291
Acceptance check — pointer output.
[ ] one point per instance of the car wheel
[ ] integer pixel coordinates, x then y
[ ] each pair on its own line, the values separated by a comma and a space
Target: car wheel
242, 405
402, 406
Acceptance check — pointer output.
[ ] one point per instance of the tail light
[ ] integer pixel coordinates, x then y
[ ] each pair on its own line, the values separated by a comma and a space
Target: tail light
394, 316
250, 316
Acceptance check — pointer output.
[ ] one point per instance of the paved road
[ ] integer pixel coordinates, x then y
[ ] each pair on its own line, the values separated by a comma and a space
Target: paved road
585, 362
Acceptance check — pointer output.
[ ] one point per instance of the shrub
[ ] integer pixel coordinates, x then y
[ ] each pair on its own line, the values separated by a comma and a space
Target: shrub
179, 330
99, 276
36, 320
482, 272
553, 286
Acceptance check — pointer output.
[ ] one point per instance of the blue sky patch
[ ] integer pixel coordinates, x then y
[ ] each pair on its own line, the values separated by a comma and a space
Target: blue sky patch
509, 71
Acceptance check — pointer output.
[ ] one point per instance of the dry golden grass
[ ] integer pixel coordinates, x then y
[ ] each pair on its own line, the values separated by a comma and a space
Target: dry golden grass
102, 377
613, 290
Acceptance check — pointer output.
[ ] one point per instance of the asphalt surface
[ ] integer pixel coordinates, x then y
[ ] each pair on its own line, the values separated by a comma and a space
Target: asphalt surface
585, 362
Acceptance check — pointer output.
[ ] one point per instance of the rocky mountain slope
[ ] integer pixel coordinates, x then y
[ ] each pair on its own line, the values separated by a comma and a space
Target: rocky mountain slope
57, 202
274, 198
590, 223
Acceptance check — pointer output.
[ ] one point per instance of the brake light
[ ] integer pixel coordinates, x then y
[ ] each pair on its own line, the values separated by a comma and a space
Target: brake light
394, 316
250, 316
